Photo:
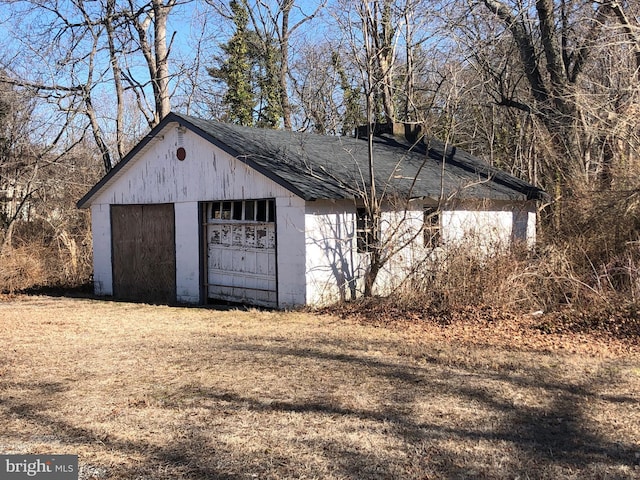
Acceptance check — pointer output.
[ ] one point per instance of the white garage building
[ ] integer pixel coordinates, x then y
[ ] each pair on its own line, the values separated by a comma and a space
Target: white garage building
201, 211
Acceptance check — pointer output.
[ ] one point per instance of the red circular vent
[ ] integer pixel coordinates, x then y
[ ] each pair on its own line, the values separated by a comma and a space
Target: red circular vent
181, 153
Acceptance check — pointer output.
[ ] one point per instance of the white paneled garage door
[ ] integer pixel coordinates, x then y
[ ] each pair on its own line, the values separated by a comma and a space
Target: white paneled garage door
240, 239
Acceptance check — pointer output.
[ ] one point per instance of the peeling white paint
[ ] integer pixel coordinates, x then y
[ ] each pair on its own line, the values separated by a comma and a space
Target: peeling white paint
157, 176
101, 231
187, 253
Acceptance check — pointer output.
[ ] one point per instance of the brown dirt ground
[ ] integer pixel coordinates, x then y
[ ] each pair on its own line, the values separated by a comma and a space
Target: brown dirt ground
156, 392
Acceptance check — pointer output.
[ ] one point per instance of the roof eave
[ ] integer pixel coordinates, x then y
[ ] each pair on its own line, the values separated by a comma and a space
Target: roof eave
85, 201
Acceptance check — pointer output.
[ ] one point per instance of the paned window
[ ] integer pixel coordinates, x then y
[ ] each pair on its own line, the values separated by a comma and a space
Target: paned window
364, 231
243, 211
431, 227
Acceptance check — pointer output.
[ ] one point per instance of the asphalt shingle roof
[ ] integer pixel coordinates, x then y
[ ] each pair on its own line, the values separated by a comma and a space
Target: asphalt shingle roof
328, 167
320, 166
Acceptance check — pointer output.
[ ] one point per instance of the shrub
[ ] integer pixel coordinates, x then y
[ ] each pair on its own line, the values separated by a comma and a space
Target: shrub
41, 255
584, 275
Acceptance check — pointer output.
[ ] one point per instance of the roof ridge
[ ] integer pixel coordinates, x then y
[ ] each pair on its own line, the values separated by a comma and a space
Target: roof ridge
314, 166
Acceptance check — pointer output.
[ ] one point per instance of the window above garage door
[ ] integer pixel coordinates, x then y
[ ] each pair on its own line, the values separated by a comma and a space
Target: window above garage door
243, 210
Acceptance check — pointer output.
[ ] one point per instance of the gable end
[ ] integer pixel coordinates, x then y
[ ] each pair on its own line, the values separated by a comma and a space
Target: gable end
120, 167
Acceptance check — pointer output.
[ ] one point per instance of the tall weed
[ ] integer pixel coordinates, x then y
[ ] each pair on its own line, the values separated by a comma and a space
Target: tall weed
582, 275
43, 256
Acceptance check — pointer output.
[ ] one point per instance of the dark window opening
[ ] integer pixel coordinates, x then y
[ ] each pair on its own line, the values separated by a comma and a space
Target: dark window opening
243, 210
215, 210
261, 213
431, 227
249, 210
272, 210
226, 211
237, 210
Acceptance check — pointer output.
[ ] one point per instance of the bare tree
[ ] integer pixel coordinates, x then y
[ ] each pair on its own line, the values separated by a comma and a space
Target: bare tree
371, 30
149, 22
110, 28
557, 43
87, 48
28, 169
317, 83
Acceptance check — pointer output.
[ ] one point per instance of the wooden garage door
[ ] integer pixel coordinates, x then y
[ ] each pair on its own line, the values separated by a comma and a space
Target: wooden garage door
143, 246
241, 251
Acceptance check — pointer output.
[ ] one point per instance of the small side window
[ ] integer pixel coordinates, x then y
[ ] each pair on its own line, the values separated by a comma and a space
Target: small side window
431, 227
364, 231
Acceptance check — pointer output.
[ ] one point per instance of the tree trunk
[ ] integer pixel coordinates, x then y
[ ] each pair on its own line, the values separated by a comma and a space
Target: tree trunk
385, 54
161, 78
7, 238
552, 83
97, 134
117, 78
156, 57
371, 275
284, 64
409, 82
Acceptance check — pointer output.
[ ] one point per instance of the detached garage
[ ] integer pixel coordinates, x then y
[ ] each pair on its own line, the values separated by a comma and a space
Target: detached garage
201, 211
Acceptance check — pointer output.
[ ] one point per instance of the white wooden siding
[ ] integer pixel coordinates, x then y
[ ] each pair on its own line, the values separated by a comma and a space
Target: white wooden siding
333, 266
290, 230
101, 233
207, 173
530, 234
402, 231
335, 270
491, 228
187, 255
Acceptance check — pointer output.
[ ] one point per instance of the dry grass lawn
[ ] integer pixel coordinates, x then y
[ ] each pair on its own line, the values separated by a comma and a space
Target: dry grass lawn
153, 392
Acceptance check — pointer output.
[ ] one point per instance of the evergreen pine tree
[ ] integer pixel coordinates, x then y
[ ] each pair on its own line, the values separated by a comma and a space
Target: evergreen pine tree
236, 71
